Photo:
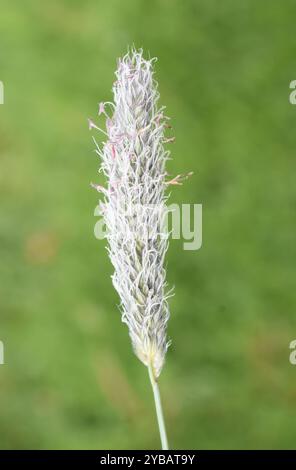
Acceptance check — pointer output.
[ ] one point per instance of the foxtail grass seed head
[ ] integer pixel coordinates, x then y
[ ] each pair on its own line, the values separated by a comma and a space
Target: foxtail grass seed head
133, 159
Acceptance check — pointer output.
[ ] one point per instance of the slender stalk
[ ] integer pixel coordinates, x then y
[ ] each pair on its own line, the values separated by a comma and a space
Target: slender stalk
158, 406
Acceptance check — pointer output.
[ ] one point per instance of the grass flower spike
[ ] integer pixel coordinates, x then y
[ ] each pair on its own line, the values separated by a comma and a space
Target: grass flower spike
133, 159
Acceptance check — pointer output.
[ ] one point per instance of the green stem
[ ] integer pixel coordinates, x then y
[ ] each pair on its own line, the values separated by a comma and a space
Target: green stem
159, 413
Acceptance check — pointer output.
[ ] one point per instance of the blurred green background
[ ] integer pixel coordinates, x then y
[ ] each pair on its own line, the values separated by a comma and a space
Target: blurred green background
70, 378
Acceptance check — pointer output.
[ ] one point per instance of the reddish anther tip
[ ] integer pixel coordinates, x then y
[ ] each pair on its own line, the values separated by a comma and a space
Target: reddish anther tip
101, 108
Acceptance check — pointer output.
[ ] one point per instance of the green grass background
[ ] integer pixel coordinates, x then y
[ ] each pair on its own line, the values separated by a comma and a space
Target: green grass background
70, 378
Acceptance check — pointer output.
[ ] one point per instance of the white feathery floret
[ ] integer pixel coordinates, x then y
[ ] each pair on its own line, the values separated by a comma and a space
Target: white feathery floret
133, 161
